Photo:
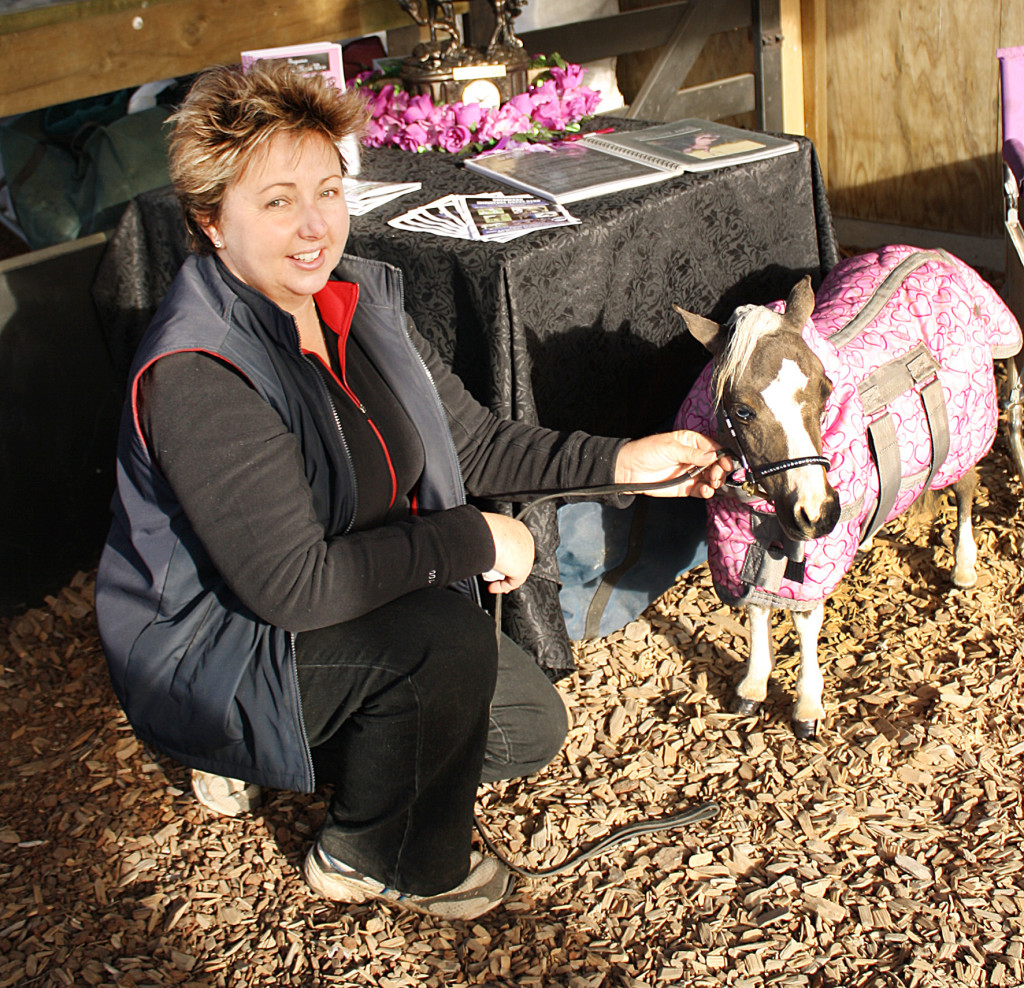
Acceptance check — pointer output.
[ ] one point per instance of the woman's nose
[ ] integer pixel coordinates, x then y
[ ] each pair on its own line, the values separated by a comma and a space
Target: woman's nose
313, 223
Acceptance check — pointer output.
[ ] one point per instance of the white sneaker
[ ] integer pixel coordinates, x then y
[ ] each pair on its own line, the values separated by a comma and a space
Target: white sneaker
225, 796
486, 885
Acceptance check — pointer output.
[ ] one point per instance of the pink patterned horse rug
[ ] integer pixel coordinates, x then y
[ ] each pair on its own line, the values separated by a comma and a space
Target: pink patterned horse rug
862, 399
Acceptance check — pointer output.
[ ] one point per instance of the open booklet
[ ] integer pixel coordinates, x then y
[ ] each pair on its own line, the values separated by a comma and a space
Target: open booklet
596, 164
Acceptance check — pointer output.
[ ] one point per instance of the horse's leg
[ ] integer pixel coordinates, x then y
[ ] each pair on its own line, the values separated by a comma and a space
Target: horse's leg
965, 549
753, 688
808, 710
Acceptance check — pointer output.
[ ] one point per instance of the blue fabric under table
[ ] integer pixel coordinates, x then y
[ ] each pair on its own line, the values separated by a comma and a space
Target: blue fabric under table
595, 540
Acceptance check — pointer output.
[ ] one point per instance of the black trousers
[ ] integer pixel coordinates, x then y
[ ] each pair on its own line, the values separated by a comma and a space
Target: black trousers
407, 709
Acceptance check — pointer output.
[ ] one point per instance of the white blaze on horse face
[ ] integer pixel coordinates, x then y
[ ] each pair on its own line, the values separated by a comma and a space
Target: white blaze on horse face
782, 397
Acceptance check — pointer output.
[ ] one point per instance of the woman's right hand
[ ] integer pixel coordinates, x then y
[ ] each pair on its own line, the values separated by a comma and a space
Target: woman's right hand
513, 551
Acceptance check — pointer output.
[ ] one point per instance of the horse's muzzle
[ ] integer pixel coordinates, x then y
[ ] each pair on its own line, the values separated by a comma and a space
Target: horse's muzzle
803, 520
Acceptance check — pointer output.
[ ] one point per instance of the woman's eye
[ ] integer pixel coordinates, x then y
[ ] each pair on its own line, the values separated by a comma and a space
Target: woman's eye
743, 412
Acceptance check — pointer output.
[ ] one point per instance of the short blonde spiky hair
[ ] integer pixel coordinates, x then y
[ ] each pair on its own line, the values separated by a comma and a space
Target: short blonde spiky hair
229, 117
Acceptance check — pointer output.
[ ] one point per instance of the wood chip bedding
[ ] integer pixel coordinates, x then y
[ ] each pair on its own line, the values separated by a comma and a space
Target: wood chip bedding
887, 853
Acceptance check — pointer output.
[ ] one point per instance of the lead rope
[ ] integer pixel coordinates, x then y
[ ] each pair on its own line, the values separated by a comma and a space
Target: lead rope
697, 814
620, 835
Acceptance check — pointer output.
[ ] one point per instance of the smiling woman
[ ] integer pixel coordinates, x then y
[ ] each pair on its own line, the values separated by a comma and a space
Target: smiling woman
290, 590
282, 227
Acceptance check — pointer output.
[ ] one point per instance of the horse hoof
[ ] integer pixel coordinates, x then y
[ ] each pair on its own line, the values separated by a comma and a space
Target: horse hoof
745, 707
806, 730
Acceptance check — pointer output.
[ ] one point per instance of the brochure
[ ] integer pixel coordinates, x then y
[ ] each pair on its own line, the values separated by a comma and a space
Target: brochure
492, 217
320, 56
362, 195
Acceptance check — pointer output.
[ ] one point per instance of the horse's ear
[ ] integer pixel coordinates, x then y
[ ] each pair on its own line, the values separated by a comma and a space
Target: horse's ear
707, 332
800, 304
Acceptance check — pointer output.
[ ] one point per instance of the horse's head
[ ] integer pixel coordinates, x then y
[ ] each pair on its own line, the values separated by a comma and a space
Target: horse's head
772, 389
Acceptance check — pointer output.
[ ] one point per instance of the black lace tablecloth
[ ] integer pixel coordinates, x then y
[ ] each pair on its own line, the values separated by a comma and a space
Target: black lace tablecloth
570, 328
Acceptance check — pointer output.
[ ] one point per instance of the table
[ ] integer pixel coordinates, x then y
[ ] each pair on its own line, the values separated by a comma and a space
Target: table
568, 328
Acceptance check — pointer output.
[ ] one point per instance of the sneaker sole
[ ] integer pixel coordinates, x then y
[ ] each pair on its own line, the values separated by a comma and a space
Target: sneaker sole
338, 888
237, 806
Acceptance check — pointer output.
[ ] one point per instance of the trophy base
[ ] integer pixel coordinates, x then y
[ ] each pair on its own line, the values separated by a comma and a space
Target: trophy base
489, 78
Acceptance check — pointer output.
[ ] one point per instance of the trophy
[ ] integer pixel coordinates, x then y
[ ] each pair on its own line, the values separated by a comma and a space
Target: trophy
449, 71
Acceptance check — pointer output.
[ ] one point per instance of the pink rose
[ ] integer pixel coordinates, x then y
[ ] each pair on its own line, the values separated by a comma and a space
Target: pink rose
376, 134
544, 92
582, 103
567, 78
551, 114
413, 136
467, 114
454, 139
523, 103
399, 101
379, 102
485, 130
420, 107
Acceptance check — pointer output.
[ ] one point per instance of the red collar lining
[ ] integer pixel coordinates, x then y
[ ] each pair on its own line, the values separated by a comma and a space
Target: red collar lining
337, 303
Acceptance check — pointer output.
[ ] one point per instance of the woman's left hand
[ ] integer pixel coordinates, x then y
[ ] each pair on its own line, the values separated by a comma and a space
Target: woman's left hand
669, 454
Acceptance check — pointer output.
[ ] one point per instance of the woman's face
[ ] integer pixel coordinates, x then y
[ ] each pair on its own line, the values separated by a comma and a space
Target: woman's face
283, 224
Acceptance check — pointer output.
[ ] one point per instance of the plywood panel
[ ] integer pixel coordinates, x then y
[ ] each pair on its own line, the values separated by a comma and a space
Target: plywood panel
913, 107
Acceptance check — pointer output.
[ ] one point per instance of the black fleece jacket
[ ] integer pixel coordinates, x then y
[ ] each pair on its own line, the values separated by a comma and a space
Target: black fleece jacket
236, 471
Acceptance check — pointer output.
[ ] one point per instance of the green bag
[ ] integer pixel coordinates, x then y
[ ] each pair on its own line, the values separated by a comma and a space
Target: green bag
71, 170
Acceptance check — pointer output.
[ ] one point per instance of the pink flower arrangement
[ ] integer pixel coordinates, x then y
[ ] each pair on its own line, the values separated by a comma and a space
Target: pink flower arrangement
555, 104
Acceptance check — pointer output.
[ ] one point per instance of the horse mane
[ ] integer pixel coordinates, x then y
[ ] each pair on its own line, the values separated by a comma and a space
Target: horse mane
747, 325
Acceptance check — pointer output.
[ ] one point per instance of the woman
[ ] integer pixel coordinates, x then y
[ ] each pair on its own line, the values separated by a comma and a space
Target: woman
289, 591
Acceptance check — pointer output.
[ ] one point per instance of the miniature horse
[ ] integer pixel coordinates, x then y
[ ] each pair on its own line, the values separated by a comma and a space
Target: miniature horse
842, 411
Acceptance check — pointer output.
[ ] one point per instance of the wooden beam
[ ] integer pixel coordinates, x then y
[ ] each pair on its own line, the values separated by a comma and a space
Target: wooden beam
792, 67
701, 19
68, 51
714, 100
768, 64
632, 31
814, 45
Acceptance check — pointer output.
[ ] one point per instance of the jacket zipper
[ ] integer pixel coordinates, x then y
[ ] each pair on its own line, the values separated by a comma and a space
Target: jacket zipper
325, 391
302, 719
344, 445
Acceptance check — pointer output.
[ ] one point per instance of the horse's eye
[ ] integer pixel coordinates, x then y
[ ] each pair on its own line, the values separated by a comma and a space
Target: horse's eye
743, 412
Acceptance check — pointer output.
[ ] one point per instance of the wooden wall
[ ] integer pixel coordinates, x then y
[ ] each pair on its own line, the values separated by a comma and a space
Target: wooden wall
913, 111
901, 100
59, 52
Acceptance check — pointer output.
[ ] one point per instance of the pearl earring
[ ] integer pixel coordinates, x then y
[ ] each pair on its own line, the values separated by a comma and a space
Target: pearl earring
217, 244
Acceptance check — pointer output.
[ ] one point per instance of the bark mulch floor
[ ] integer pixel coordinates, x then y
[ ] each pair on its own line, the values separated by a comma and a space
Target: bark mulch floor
887, 853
